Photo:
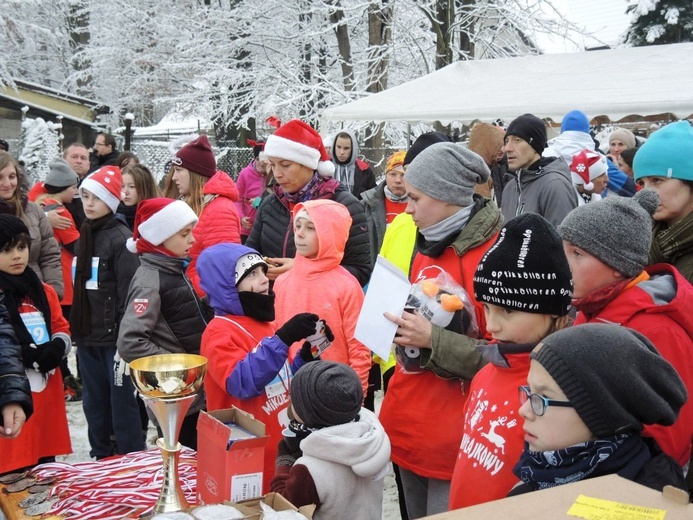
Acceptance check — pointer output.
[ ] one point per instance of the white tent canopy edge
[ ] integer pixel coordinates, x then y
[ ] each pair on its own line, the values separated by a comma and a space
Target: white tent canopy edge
615, 83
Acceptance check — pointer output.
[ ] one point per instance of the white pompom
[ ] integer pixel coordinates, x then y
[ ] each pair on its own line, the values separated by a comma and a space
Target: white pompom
326, 168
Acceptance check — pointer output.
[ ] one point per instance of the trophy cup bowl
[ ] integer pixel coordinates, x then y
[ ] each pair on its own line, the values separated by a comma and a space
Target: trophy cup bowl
168, 384
168, 376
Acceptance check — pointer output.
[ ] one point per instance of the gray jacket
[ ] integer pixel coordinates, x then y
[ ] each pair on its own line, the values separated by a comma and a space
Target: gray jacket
44, 252
547, 191
373, 202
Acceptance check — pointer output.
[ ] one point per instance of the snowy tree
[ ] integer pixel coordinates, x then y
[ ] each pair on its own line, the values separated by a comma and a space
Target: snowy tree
655, 22
38, 40
237, 62
40, 146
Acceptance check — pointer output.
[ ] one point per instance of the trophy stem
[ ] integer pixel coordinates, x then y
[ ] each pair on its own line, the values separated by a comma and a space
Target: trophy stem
171, 498
170, 414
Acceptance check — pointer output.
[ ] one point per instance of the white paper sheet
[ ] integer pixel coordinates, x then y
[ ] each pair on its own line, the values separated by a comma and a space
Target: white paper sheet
387, 292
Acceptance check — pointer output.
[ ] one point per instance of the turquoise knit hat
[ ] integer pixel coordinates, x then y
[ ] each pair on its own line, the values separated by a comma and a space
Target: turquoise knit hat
667, 153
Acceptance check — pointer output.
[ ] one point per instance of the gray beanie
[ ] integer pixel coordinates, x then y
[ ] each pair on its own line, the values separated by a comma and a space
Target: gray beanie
616, 230
447, 172
326, 393
613, 376
60, 174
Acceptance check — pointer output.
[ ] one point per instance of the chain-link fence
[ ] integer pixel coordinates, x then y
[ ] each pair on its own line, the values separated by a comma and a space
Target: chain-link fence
157, 157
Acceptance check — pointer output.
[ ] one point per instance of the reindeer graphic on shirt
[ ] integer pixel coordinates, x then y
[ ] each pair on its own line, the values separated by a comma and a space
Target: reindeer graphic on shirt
495, 438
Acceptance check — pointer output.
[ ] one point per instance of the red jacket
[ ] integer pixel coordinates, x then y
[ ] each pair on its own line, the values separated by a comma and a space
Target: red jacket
46, 434
423, 414
218, 223
226, 341
493, 437
660, 309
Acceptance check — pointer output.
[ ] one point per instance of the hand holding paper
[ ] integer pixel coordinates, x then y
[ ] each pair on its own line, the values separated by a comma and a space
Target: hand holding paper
388, 290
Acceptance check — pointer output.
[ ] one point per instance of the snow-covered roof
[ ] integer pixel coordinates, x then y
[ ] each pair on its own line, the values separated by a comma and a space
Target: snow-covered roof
615, 83
61, 94
174, 124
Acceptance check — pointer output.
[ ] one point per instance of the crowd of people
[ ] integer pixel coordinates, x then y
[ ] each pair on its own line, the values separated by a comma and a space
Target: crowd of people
572, 357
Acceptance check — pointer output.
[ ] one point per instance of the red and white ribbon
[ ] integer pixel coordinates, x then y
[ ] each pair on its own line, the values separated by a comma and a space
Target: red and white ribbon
115, 488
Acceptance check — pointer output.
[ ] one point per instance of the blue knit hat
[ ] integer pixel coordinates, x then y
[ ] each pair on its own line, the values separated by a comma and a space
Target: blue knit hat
667, 153
576, 121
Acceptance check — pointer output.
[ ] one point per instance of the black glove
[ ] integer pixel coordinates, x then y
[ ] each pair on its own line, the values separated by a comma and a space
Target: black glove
299, 327
50, 355
306, 354
328, 333
286, 454
30, 355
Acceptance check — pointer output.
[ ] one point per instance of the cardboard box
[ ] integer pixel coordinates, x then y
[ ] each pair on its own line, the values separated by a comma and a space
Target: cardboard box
555, 502
278, 503
229, 465
250, 514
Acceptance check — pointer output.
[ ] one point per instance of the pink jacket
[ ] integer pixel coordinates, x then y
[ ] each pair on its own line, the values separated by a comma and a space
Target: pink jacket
218, 222
250, 184
323, 287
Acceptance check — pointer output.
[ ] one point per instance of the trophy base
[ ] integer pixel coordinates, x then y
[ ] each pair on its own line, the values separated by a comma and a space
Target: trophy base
171, 498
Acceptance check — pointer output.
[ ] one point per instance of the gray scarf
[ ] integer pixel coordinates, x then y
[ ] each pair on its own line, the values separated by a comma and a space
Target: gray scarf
395, 198
445, 227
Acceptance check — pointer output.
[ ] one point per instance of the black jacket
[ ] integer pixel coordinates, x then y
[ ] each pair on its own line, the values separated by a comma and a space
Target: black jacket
272, 234
163, 313
97, 161
14, 386
116, 268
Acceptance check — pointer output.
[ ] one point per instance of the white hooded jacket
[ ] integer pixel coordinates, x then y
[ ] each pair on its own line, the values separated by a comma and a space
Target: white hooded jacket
348, 463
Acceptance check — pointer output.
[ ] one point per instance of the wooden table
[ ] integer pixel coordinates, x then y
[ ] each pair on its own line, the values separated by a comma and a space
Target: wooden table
9, 503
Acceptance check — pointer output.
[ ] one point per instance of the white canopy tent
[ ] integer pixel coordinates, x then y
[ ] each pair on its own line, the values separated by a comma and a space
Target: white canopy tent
614, 83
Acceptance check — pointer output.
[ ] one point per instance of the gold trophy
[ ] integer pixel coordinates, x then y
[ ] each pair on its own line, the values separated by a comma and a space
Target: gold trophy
168, 384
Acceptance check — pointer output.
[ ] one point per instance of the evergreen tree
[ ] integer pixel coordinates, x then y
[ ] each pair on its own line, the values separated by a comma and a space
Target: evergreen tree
656, 22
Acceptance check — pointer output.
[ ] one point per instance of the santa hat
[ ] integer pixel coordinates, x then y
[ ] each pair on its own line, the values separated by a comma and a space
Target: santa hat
159, 219
586, 166
197, 156
298, 142
106, 183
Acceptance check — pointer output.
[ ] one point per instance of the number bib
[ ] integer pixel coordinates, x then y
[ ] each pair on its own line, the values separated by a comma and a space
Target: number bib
93, 283
36, 325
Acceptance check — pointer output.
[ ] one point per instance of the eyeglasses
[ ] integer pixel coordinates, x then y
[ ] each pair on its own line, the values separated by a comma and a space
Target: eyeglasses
539, 402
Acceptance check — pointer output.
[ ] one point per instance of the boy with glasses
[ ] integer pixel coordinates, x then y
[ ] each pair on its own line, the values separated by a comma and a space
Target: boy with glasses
585, 408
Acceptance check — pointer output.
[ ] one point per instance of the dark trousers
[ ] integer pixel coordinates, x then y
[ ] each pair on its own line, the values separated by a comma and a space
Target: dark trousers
108, 408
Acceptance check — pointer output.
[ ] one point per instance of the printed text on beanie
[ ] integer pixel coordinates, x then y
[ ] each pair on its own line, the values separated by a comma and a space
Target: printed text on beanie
526, 269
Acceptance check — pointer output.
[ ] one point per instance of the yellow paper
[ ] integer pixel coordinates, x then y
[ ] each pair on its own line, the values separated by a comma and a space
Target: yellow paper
597, 509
